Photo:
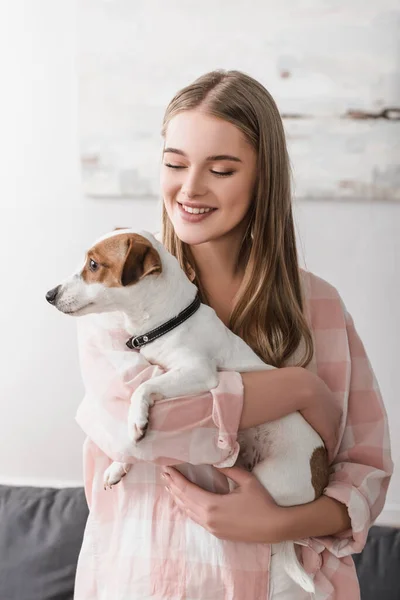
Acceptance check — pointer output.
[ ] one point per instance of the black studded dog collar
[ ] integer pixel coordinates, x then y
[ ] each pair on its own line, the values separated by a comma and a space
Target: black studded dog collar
136, 342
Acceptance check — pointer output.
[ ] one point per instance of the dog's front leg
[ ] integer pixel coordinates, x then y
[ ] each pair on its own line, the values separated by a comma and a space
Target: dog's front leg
177, 382
115, 472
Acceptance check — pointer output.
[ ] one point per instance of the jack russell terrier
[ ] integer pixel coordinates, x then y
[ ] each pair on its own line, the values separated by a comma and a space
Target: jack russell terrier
133, 273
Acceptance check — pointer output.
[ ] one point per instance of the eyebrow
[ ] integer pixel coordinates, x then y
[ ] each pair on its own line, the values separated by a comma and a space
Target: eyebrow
209, 158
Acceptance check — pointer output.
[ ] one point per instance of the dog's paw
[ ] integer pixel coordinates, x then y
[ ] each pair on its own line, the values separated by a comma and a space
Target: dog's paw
138, 420
138, 417
113, 475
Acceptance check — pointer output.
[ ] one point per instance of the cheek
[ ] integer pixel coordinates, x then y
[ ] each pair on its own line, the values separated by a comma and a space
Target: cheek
87, 289
238, 198
100, 293
169, 190
168, 185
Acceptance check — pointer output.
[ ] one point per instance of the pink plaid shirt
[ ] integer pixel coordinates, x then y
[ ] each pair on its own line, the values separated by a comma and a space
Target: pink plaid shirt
138, 544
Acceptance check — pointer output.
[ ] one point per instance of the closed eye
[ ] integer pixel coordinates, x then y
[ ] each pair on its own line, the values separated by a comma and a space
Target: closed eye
217, 173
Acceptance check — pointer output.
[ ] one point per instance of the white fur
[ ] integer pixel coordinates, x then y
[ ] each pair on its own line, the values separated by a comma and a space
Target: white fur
192, 355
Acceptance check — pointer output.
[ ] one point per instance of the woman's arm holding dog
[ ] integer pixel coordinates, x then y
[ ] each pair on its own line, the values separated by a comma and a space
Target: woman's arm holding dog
199, 429
359, 479
271, 395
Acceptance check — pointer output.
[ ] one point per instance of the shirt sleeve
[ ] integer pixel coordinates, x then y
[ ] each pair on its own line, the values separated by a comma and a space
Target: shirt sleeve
196, 429
362, 468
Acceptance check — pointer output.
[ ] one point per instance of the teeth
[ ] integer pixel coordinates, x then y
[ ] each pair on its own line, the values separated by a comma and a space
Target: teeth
196, 211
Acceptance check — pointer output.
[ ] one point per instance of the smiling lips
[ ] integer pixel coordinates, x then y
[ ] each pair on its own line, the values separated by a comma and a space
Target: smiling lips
196, 210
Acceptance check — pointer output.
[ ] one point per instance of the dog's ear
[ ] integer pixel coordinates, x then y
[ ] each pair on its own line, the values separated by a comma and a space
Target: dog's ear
141, 259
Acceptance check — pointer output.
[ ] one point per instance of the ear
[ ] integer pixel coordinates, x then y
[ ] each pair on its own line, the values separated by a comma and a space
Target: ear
141, 259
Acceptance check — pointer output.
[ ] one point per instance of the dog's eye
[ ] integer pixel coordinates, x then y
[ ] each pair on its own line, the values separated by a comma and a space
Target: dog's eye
93, 266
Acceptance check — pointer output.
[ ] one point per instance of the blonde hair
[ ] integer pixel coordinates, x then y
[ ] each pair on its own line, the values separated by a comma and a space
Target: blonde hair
268, 313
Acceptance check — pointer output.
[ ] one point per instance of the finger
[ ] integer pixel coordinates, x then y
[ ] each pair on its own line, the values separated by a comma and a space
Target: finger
237, 474
189, 502
193, 493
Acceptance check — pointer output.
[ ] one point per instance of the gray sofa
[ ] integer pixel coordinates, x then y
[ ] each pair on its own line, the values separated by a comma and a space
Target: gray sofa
41, 532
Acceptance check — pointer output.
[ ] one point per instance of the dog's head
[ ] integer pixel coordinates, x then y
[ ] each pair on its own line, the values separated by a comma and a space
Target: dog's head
115, 262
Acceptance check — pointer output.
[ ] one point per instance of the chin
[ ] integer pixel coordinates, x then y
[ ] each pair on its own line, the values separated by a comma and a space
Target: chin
193, 238
196, 234
79, 312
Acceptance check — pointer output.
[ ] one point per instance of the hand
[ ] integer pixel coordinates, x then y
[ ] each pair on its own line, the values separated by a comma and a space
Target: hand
247, 514
324, 415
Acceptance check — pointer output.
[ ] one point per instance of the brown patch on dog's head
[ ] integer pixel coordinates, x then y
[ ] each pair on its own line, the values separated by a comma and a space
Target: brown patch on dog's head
319, 470
141, 259
121, 260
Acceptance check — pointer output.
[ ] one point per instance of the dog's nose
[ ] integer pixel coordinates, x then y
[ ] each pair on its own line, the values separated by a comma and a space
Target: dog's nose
52, 294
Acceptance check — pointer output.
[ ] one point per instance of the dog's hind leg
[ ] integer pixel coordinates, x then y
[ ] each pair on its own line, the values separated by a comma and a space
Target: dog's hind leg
115, 472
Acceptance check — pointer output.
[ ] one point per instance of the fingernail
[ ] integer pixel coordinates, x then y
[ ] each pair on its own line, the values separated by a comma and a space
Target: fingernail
166, 475
168, 489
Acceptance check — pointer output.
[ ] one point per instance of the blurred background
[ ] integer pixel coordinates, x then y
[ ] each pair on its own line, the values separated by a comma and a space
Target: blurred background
83, 89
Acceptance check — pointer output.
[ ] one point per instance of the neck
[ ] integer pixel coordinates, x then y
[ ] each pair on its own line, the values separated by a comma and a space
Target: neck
218, 260
162, 298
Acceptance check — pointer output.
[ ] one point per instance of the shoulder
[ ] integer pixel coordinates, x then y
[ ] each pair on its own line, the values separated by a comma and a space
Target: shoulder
323, 303
315, 287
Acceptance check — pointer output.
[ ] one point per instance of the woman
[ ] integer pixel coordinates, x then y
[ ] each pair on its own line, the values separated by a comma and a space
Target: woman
227, 217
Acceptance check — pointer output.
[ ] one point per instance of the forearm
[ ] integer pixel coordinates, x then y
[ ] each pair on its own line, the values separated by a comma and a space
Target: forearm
271, 395
322, 517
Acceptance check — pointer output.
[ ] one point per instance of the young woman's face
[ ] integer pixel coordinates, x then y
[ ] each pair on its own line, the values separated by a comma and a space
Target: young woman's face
207, 177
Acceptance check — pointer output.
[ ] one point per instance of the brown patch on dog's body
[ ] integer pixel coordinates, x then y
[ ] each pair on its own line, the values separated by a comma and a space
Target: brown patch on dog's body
319, 470
122, 260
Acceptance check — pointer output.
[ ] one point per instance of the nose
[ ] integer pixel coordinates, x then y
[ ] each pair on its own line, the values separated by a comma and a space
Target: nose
193, 186
52, 294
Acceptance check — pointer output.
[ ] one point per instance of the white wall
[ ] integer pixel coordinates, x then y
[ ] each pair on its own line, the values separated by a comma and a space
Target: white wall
323, 84
45, 227
46, 224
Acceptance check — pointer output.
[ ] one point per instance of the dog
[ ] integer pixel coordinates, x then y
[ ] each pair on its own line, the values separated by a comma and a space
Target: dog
133, 273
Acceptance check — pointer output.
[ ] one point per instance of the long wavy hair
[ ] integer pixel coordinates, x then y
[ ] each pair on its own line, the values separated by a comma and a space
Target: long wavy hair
268, 313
